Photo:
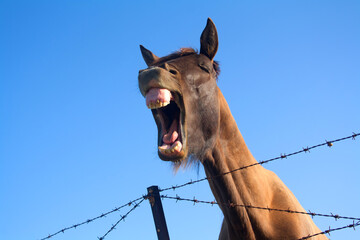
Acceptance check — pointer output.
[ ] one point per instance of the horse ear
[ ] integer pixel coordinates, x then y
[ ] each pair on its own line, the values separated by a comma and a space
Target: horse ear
209, 40
148, 56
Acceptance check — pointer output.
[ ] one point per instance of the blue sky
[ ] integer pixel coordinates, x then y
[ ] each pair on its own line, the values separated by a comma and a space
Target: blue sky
77, 140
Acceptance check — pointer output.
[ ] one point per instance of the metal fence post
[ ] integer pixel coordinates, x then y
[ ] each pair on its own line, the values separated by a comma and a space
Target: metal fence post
158, 213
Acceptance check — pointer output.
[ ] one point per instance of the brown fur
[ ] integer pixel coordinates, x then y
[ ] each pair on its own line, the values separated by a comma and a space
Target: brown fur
181, 53
210, 135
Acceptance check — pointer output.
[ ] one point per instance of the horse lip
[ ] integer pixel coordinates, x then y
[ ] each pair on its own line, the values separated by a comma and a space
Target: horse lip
156, 77
174, 158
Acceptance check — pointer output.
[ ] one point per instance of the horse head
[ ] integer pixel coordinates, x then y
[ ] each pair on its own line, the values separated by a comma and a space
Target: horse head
181, 91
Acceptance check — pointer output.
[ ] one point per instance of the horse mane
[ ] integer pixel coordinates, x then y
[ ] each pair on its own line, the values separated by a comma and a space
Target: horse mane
185, 52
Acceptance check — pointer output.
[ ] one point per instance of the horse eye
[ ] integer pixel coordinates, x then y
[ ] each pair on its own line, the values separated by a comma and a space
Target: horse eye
205, 68
172, 71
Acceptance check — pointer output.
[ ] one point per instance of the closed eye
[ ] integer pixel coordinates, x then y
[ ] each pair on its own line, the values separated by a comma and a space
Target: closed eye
172, 71
205, 68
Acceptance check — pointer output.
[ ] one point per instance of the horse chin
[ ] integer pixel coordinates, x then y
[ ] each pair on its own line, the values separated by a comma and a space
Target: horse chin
174, 159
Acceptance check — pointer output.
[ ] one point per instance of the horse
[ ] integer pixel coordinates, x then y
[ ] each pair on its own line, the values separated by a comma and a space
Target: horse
195, 125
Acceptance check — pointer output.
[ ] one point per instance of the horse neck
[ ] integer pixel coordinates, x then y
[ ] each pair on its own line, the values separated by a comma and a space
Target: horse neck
230, 152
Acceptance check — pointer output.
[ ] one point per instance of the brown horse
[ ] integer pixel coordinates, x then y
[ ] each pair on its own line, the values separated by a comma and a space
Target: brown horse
195, 124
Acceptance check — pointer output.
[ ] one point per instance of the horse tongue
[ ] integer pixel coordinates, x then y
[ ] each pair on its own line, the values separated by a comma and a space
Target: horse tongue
172, 135
158, 94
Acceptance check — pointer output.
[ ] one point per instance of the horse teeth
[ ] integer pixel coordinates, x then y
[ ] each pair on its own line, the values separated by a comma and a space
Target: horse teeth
169, 150
157, 104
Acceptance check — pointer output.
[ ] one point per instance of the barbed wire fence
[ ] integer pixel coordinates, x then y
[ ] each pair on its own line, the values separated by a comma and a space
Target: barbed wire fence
332, 230
282, 156
95, 218
121, 219
233, 205
312, 214
136, 202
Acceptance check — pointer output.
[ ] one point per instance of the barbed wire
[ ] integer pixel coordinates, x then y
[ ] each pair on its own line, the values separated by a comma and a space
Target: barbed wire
282, 156
121, 219
312, 214
141, 199
92, 219
231, 205
354, 225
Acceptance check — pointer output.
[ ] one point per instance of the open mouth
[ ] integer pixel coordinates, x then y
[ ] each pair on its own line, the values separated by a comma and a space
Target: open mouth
169, 116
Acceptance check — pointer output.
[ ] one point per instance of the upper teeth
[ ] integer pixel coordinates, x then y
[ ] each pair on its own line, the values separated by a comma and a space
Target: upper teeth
157, 104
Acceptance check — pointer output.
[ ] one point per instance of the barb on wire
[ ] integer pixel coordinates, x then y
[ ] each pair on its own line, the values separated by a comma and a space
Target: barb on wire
282, 156
354, 225
121, 219
230, 204
92, 219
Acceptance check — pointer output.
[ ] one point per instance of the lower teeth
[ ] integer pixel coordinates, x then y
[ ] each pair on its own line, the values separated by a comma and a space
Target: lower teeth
176, 147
